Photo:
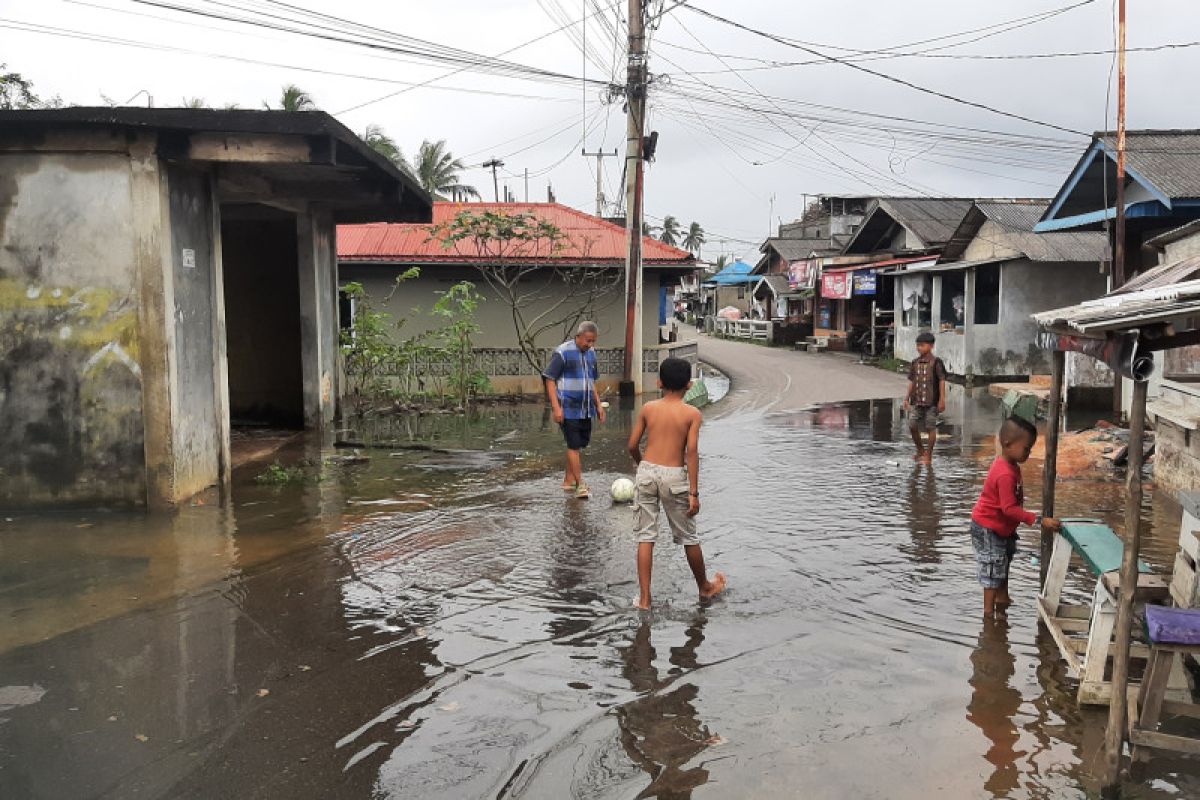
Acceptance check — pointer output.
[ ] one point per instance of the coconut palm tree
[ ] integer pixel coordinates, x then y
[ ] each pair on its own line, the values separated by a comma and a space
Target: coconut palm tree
294, 99
669, 233
694, 239
721, 262
438, 171
386, 146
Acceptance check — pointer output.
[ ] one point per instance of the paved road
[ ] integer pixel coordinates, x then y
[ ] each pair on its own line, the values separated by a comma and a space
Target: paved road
780, 379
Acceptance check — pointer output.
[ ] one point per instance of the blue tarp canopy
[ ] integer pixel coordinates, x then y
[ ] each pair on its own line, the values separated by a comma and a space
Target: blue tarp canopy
738, 272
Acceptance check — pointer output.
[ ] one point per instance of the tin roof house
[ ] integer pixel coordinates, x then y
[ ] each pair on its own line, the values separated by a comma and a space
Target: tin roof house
992, 274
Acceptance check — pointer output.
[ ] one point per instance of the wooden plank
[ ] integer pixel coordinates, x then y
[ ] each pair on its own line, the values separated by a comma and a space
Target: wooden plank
1100, 635
1189, 536
1056, 574
1073, 625
1094, 694
1075, 612
1149, 587
256, 148
1185, 589
1058, 365
1060, 638
1114, 733
1165, 741
1174, 708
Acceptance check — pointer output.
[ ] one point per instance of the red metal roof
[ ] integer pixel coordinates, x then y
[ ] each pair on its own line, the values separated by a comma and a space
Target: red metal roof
589, 239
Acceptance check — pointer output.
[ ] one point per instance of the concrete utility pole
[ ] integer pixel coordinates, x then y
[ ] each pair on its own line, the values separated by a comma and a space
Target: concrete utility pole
599, 155
494, 165
635, 99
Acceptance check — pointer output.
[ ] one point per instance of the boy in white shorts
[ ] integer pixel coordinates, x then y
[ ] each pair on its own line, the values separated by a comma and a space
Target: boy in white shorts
672, 431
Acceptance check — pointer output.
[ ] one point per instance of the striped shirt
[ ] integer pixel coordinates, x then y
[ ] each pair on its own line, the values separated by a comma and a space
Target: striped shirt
575, 374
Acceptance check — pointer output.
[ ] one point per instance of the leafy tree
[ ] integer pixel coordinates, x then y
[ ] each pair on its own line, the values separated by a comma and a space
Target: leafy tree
194, 102
386, 146
669, 232
541, 297
16, 91
438, 172
457, 305
294, 99
694, 239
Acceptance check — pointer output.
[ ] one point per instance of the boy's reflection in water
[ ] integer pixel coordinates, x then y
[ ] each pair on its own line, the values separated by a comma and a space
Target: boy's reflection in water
660, 731
995, 703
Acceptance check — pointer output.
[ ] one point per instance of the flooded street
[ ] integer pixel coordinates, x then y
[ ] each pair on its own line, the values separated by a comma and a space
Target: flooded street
446, 623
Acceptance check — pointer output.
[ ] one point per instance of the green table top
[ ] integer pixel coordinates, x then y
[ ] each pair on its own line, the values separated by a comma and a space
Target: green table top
1100, 547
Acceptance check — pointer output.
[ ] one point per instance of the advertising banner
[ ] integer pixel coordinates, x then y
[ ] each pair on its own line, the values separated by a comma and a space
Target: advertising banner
836, 285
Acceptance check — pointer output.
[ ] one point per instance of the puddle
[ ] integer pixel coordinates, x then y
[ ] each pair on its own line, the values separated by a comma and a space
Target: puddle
446, 623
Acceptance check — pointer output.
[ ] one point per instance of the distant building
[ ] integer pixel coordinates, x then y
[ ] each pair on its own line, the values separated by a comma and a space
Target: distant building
376, 254
163, 274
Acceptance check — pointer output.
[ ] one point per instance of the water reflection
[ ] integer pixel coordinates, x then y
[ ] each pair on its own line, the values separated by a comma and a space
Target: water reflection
661, 731
994, 705
924, 514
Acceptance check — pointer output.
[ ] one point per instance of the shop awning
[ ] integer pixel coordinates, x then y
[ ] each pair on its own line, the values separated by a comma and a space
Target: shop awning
950, 266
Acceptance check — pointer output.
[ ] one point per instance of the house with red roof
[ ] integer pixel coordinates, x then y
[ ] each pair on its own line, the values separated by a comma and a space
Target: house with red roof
582, 276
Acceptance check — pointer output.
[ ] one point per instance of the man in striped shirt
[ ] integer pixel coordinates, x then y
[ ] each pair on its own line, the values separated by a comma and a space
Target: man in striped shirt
571, 385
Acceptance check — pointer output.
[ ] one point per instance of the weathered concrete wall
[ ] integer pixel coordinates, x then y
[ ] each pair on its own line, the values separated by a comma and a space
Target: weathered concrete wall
988, 243
196, 432
262, 320
1185, 248
1009, 347
70, 380
317, 267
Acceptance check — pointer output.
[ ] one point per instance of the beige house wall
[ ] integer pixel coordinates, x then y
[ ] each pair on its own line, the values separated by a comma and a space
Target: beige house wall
987, 244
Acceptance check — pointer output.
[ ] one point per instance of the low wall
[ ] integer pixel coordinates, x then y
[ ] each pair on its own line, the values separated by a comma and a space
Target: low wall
509, 372
1177, 437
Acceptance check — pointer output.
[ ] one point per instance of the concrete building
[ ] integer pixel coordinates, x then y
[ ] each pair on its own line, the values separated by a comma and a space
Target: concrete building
992, 274
163, 273
375, 255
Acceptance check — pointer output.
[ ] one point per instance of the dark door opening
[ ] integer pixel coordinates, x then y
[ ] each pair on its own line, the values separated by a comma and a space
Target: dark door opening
262, 316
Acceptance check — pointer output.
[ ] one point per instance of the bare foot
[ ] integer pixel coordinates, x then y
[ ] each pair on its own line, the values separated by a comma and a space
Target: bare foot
714, 587
920, 456
642, 606
927, 458
568, 487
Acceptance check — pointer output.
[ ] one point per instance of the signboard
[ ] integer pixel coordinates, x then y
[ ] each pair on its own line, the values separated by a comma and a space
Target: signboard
864, 282
836, 285
189, 258
801, 274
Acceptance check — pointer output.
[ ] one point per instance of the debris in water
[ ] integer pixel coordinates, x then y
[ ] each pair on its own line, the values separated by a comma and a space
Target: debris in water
452, 706
715, 740
305, 668
141, 737
112, 718
263, 692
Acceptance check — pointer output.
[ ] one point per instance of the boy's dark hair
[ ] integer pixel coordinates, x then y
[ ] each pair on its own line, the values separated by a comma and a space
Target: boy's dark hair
925, 337
675, 374
1015, 423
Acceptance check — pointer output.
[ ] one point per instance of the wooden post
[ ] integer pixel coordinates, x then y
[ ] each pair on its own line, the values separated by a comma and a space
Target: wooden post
1114, 737
1058, 368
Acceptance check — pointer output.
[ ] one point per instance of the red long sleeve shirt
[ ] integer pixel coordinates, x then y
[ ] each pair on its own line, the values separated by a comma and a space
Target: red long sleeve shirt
1001, 504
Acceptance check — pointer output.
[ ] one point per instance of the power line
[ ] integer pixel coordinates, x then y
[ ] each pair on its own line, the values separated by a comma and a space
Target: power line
883, 75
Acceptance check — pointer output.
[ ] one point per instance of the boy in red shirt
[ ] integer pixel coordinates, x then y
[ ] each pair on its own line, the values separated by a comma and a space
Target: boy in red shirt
1000, 511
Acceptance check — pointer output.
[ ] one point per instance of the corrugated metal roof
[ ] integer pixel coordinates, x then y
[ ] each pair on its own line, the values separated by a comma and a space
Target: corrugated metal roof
1125, 311
733, 274
1163, 275
1175, 234
1170, 159
777, 283
1017, 217
798, 249
589, 240
932, 219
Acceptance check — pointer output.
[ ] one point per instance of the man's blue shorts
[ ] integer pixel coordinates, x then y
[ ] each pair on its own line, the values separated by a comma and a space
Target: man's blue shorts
577, 432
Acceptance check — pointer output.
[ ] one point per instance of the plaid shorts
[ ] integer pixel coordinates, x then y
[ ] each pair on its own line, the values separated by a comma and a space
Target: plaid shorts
923, 418
993, 555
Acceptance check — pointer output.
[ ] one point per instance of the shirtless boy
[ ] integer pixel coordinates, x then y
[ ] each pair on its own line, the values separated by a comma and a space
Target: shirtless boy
672, 431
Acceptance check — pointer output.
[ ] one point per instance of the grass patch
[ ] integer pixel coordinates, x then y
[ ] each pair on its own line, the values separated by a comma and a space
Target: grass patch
279, 475
892, 364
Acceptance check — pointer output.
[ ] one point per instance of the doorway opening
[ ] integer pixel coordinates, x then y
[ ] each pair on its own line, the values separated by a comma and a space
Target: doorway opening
262, 316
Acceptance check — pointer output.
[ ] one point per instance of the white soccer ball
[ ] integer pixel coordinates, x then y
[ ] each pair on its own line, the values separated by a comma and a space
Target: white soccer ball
623, 490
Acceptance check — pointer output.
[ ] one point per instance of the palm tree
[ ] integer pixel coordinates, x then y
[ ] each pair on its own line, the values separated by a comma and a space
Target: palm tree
721, 262
194, 102
669, 233
694, 239
386, 146
438, 171
294, 99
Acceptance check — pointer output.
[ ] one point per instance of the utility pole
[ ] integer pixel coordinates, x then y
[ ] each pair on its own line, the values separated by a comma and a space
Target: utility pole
1120, 273
494, 165
635, 100
599, 155
527, 184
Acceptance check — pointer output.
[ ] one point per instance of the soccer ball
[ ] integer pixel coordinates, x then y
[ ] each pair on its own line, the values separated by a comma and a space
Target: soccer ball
623, 490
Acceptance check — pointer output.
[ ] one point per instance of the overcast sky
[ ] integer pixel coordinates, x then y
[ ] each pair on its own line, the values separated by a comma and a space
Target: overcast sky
737, 150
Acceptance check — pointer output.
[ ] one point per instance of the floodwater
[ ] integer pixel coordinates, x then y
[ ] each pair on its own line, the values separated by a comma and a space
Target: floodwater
446, 623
